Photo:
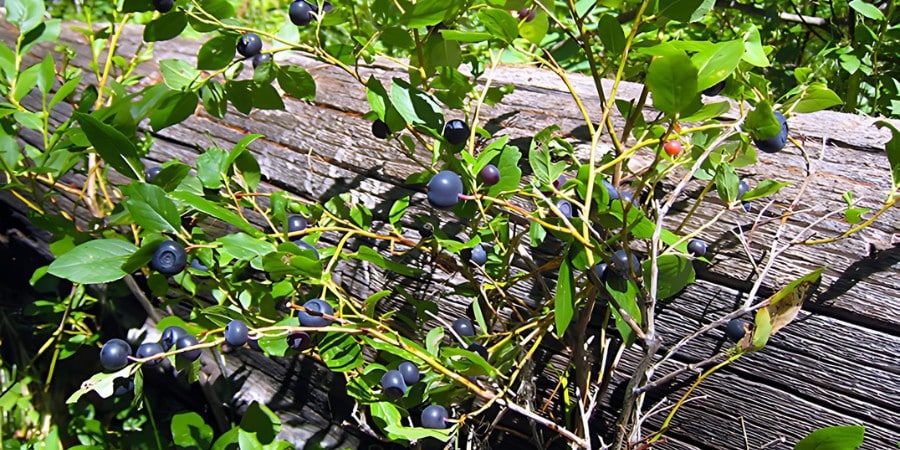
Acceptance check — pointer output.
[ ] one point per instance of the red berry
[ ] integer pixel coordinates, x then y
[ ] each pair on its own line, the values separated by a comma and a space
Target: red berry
673, 148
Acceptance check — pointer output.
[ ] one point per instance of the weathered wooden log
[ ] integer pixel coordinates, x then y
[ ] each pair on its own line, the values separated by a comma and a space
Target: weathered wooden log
837, 364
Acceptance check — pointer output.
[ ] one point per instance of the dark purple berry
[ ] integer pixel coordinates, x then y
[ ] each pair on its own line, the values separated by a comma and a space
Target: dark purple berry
613, 193
490, 175
560, 181
380, 129
565, 208
456, 132
151, 172
434, 416
527, 14
196, 264
735, 329
171, 335
463, 327
312, 316
620, 263
169, 258
114, 355
296, 223
777, 142
307, 246
696, 247
715, 89
479, 255
410, 373
123, 386
261, 58
393, 385
598, 272
149, 350
299, 11
444, 189
249, 45
185, 342
236, 333
163, 6
743, 188
479, 349
299, 341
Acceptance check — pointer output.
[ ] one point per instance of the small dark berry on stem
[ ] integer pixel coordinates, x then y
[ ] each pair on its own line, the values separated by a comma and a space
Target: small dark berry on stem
696, 247
479, 255
249, 45
380, 129
490, 175
169, 258
444, 189
114, 355
261, 58
463, 327
312, 316
456, 132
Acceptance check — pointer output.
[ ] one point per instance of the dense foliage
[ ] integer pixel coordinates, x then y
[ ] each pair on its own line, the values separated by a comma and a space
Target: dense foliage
127, 234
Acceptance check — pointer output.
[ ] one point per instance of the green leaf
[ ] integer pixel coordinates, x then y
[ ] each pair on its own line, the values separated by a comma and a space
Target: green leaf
717, 63
611, 34
465, 36
207, 207
754, 53
297, 82
433, 340
500, 23
509, 168
189, 430
854, 215
174, 108
867, 9
624, 293
165, 27
564, 303
415, 106
685, 10
761, 122
816, 97
151, 208
265, 96
842, 437
764, 189
368, 254
727, 183
426, 13
213, 95
177, 73
341, 352
216, 53
220, 9
47, 31
46, 75
101, 383
244, 247
398, 210
762, 329
64, 91
113, 146
675, 273
892, 147
211, 167
261, 423
536, 29
672, 80
97, 261
25, 14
